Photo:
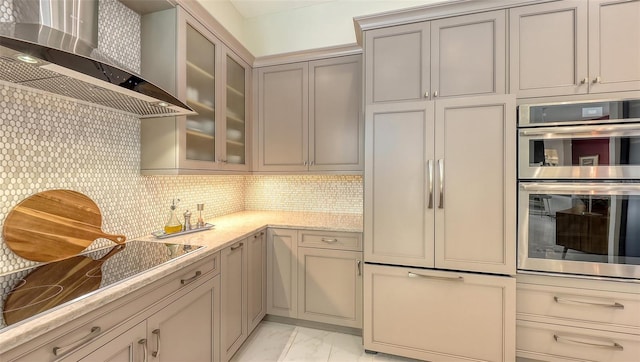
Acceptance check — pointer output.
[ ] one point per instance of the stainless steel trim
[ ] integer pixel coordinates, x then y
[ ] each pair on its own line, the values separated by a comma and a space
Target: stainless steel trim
237, 246
189, 280
457, 278
567, 300
95, 331
607, 345
157, 333
441, 170
588, 131
583, 188
143, 342
430, 179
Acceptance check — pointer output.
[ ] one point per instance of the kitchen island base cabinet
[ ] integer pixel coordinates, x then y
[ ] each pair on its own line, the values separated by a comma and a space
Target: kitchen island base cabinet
437, 315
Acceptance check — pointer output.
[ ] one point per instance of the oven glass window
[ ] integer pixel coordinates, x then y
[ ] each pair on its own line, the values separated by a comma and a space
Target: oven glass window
589, 228
606, 151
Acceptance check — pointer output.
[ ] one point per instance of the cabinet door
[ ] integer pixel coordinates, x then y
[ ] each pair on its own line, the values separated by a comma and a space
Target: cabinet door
330, 286
399, 181
614, 45
397, 63
188, 328
283, 99
233, 263
548, 49
199, 52
439, 316
336, 125
468, 55
282, 272
475, 215
131, 346
234, 130
256, 279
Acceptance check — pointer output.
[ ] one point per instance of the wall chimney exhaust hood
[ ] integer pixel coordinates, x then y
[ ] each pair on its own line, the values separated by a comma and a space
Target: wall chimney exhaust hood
52, 46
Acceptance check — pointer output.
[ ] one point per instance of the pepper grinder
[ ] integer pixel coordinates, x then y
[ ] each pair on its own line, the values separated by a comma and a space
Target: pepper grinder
200, 223
187, 220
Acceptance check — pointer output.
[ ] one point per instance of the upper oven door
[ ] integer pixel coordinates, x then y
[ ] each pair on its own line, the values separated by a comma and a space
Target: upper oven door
607, 151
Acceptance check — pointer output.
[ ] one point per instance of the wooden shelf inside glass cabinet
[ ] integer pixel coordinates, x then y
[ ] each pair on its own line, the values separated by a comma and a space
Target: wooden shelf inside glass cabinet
234, 117
199, 70
235, 143
200, 106
198, 133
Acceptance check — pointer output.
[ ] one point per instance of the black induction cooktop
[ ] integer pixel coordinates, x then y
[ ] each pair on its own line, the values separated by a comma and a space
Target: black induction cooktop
29, 292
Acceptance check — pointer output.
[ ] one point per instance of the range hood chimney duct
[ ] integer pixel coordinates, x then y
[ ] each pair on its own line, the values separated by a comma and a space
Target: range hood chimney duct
52, 46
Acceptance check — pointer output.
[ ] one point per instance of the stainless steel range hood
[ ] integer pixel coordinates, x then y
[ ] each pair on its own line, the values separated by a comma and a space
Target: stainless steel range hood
52, 46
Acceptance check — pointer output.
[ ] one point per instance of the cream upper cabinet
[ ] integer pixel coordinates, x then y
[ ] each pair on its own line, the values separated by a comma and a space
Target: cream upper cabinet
212, 80
439, 316
233, 305
614, 45
432, 168
575, 47
283, 114
457, 56
310, 116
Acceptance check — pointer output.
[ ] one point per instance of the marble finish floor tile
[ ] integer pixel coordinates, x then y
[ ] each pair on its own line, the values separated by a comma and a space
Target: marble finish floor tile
277, 342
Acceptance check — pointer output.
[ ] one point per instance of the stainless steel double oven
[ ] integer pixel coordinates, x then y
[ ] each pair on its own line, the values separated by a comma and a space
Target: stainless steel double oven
579, 188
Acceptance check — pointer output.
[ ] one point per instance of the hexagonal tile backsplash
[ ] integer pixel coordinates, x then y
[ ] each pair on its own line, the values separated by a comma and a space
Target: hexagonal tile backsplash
50, 142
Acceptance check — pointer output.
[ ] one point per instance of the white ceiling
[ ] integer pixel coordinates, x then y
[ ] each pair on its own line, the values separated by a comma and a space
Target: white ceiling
253, 8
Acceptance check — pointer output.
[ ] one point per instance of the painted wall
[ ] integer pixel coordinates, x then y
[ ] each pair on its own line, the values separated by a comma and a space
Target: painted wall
311, 27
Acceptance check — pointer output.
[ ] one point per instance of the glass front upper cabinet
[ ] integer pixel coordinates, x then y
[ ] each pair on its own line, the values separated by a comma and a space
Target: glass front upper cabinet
200, 68
236, 113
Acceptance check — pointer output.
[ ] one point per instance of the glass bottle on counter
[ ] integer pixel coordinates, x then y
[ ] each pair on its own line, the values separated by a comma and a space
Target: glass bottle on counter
173, 225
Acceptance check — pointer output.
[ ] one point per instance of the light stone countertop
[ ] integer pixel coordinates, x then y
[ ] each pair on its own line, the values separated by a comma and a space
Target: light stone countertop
227, 230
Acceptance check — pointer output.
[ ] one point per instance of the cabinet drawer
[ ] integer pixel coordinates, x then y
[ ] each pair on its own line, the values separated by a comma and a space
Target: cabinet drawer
330, 240
621, 309
550, 342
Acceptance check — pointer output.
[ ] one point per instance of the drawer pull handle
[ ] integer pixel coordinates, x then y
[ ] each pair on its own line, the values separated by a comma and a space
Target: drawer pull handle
187, 281
95, 331
614, 305
330, 241
610, 345
237, 246
157, 333
143, 342
451, 279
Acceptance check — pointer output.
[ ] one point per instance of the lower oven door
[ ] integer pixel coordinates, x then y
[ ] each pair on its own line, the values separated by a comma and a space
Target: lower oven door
580, 228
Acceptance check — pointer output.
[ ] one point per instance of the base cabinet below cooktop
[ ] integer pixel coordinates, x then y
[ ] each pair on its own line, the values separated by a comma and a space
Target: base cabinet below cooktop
169, 319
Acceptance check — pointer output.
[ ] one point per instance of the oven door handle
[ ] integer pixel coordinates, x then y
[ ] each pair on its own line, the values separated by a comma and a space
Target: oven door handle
583, 188
584, 131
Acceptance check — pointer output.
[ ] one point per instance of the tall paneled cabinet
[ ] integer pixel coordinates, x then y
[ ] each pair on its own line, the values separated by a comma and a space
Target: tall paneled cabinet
439, 221
183, 56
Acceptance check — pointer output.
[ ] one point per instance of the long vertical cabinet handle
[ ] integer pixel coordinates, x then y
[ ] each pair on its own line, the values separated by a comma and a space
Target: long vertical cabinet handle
157, 352
143, 342
430, 179
359, 266
441, 174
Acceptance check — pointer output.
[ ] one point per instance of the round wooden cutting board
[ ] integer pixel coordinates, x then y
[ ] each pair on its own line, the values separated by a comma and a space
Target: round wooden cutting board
54, 225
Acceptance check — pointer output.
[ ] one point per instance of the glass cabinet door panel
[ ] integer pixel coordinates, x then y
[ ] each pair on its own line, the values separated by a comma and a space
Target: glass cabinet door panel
200, 142
235, 112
